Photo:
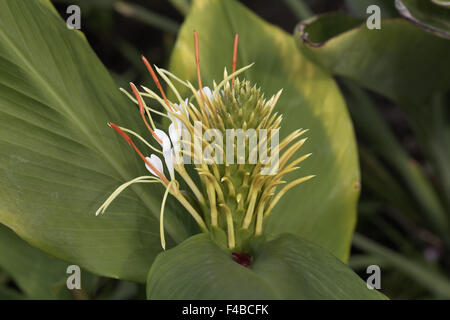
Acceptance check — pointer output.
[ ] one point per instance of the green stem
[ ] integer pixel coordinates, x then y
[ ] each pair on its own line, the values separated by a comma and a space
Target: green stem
146, 16
299, 8
433, 280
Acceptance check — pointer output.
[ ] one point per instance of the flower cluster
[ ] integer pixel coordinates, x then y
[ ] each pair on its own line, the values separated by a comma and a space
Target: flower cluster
232, 199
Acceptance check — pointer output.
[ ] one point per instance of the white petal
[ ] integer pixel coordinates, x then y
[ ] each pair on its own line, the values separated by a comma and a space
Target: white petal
174, 133
156, 162
164, 138
171, 116
182, 106
168, 158
174, 118
207, 92
179, 109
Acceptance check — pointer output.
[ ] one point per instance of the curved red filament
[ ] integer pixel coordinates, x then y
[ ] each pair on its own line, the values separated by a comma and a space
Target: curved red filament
155, 79
235, 49
131, 143
142, 111
197, 62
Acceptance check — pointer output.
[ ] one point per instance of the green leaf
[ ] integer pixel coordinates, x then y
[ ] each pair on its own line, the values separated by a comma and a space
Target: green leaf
36, 273
59, 160
324, 209
426, 15
284, 267
400, 61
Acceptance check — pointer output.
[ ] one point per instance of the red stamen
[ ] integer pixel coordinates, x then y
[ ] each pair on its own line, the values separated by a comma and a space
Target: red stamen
123, 134
197, 62
236, 42
130, 142
142, 111
155, 79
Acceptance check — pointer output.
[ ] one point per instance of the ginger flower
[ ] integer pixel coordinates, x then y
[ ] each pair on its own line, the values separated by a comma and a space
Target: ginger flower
230, 135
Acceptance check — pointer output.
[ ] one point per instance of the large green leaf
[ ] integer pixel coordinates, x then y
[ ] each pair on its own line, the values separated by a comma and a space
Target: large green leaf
37, 274
59, 160
284, 267
322, 210
401, 60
